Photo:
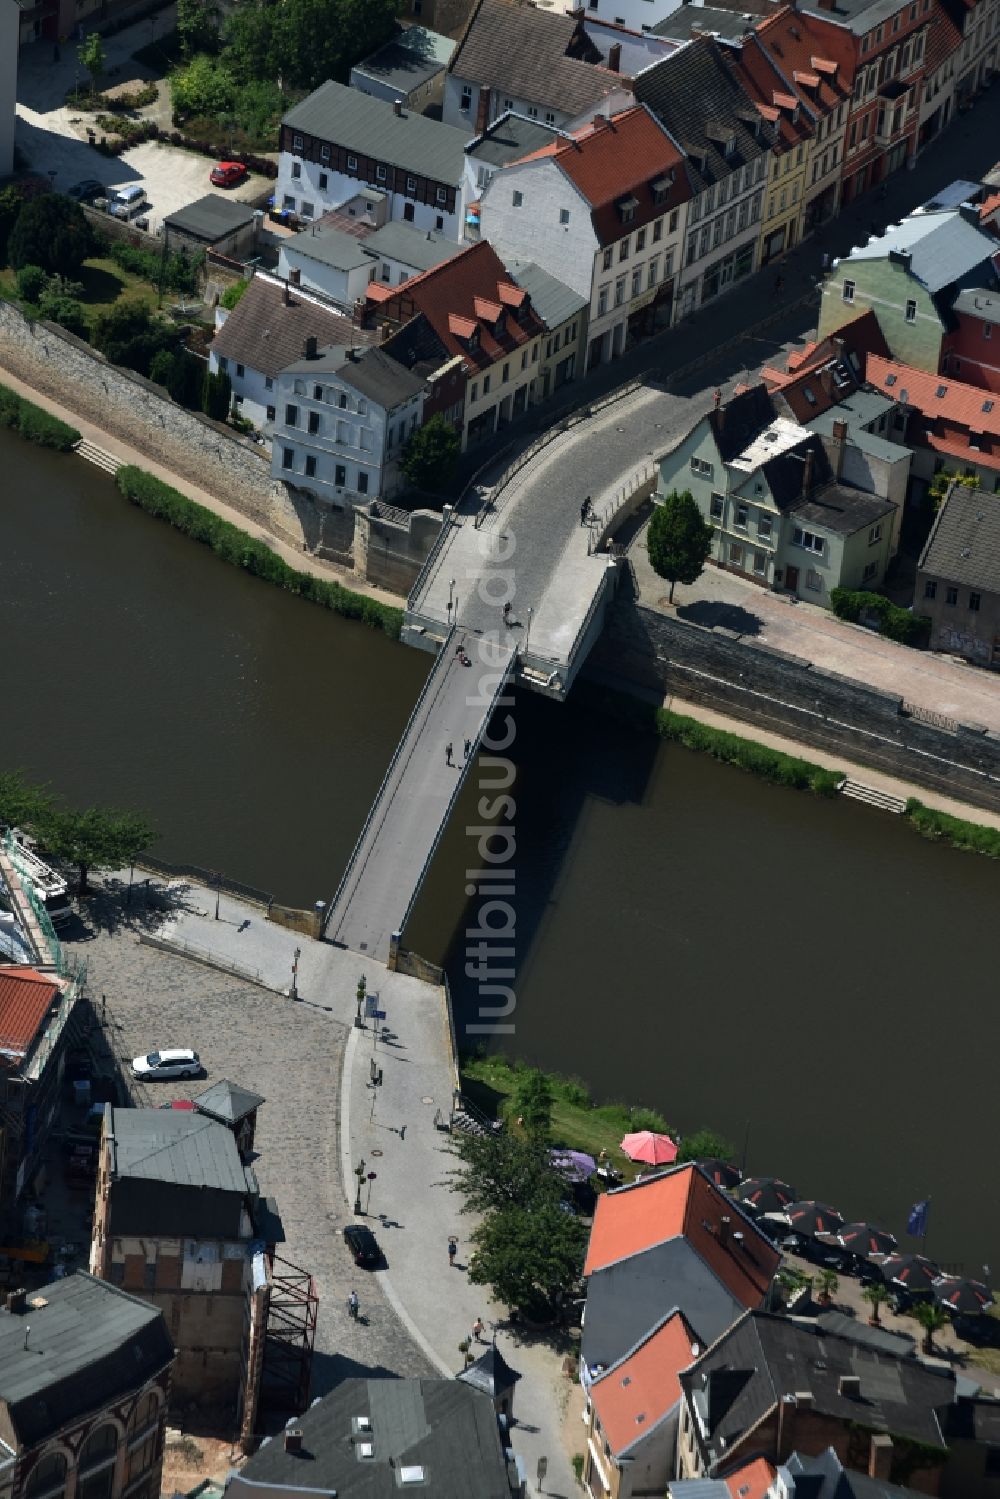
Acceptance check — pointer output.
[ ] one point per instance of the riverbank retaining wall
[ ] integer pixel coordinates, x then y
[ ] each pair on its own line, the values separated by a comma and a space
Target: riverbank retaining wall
138, 412
391, 546
763, 686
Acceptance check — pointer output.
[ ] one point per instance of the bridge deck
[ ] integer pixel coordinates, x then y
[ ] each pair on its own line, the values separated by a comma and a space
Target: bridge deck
398, 841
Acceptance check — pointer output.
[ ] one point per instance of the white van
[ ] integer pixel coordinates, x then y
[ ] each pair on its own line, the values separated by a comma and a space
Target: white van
128, 202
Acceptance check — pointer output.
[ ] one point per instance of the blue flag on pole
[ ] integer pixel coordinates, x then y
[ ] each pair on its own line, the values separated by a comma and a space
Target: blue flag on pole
916, 1223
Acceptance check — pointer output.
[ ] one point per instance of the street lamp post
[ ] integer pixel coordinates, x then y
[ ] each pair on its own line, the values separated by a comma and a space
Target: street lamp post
359, 1172
527, 633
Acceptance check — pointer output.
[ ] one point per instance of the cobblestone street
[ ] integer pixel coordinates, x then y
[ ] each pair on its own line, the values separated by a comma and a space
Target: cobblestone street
289, 1053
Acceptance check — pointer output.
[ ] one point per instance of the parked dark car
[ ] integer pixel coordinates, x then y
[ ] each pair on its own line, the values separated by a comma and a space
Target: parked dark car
86, 190
363, 1245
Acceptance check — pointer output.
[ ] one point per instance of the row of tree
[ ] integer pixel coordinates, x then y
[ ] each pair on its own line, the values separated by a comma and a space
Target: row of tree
93, 838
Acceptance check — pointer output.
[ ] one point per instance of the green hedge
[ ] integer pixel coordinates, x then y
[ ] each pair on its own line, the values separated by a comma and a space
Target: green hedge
733, 749
897, 624
972, 836
35, 424
235, 546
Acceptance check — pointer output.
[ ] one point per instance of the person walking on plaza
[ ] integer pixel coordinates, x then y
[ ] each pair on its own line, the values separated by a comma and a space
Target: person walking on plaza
448, 752
467, 748
452, 1251
478, 1328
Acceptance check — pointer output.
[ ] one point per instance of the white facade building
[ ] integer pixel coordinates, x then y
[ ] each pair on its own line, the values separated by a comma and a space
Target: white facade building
344, 418
328, 261
337, 140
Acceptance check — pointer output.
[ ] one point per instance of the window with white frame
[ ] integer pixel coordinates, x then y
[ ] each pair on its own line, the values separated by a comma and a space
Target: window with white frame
760, 563
701, 469
848, 291
466, 100
807, 540
765, 526
742, 517
874, 535
911, 311
814, 581
717, 505
442, 195
297, 143
352, 163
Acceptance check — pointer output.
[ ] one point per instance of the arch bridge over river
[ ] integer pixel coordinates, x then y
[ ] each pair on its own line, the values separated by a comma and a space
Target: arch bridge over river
520, 540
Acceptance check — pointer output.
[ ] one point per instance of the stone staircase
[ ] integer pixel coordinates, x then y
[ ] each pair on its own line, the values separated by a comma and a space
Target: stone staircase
859, 792
97, 456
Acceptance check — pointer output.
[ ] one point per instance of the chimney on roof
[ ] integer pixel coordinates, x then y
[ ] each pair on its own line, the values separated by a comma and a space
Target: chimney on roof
838, 441
286, 295
804, 1400
397, 108
849, 1385
970, 213
311, 347
294, 276
293, 1439
807, 474
880, 1456
615, 57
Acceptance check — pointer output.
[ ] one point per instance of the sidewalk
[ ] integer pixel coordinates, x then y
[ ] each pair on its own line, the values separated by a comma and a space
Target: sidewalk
304, 561
392, 1129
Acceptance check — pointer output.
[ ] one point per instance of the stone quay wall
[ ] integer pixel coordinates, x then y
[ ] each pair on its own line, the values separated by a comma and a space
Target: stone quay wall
765, 687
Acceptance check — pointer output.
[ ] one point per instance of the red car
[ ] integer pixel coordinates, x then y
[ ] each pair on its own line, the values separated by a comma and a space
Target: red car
228, 174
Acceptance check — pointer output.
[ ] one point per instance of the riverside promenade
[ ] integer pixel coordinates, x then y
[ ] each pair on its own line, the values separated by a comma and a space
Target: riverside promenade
393, 1128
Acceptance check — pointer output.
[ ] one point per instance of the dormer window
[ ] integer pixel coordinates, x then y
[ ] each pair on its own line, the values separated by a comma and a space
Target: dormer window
627, 207
730, 147
661, 186
501, 325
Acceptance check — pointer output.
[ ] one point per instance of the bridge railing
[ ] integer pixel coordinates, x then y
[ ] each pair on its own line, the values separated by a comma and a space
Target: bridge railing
424, 575
427, 687
459, 782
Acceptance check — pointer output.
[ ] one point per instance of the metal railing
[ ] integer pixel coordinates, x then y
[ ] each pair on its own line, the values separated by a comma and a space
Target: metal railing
603, 519
211, 878
382, 510
928, 716
441, 663
424, 575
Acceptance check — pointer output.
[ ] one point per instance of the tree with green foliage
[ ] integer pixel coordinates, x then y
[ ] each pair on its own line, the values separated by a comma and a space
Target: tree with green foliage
197, 26
129, 334
11, 203
204, 86
22, 804
500, 1170
529, 1257
50, 232
216, 395
679, 540
531, 1103
231, 296
944, 479
703, 1145
31, 282
181, 374
932, 1318
91, 55
431, 454
305, 42
875, 1294
68, 312
827, 1284
96, 838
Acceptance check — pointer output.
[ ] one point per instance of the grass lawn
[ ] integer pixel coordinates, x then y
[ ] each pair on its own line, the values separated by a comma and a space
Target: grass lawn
576, 1124
104, 283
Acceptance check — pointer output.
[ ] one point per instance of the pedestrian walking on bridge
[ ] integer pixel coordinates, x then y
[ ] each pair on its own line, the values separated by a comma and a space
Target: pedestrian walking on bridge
448, 752
467, 748
452, 1251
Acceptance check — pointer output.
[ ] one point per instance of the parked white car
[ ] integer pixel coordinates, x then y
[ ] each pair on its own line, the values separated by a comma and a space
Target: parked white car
169, 1062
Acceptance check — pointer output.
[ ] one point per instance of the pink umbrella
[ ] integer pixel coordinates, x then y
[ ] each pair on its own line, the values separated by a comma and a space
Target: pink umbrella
654, 1150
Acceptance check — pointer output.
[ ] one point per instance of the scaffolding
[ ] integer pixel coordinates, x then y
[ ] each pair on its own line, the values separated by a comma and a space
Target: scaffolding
289, 1337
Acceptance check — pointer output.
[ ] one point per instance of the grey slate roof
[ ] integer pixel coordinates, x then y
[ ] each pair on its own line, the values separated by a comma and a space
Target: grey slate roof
420, 248
859, 16
871, 443
898, 1344
440, 1425
412, 142
976, 301
688, 20
408, 61
510, 138
211, 218
825, 1477
625, 1299
690, 90
944, 248
374, 373
956, 193
490, 1373
75, 1360
552, 299
765, 1358
177, 1147
840, 509
265, 333
329, 246
227, 1101
964, 544
740, 419
522, 52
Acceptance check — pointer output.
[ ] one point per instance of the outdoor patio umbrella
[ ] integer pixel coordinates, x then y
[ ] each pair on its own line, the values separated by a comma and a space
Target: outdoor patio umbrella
653, 1150
864, 1239
969, 1298
722, 1173
914, 1273
575, 1165
765, 1194
809, 1218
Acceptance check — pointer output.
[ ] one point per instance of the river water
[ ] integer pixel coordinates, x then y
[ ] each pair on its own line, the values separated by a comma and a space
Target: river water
810, 978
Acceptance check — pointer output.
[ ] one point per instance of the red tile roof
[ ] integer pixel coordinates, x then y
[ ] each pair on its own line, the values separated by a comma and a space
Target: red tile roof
25, 1000
643, 1387
805, 48
617, 157
804, 367
684, 1202
752, 1480
461, 298
938, 397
